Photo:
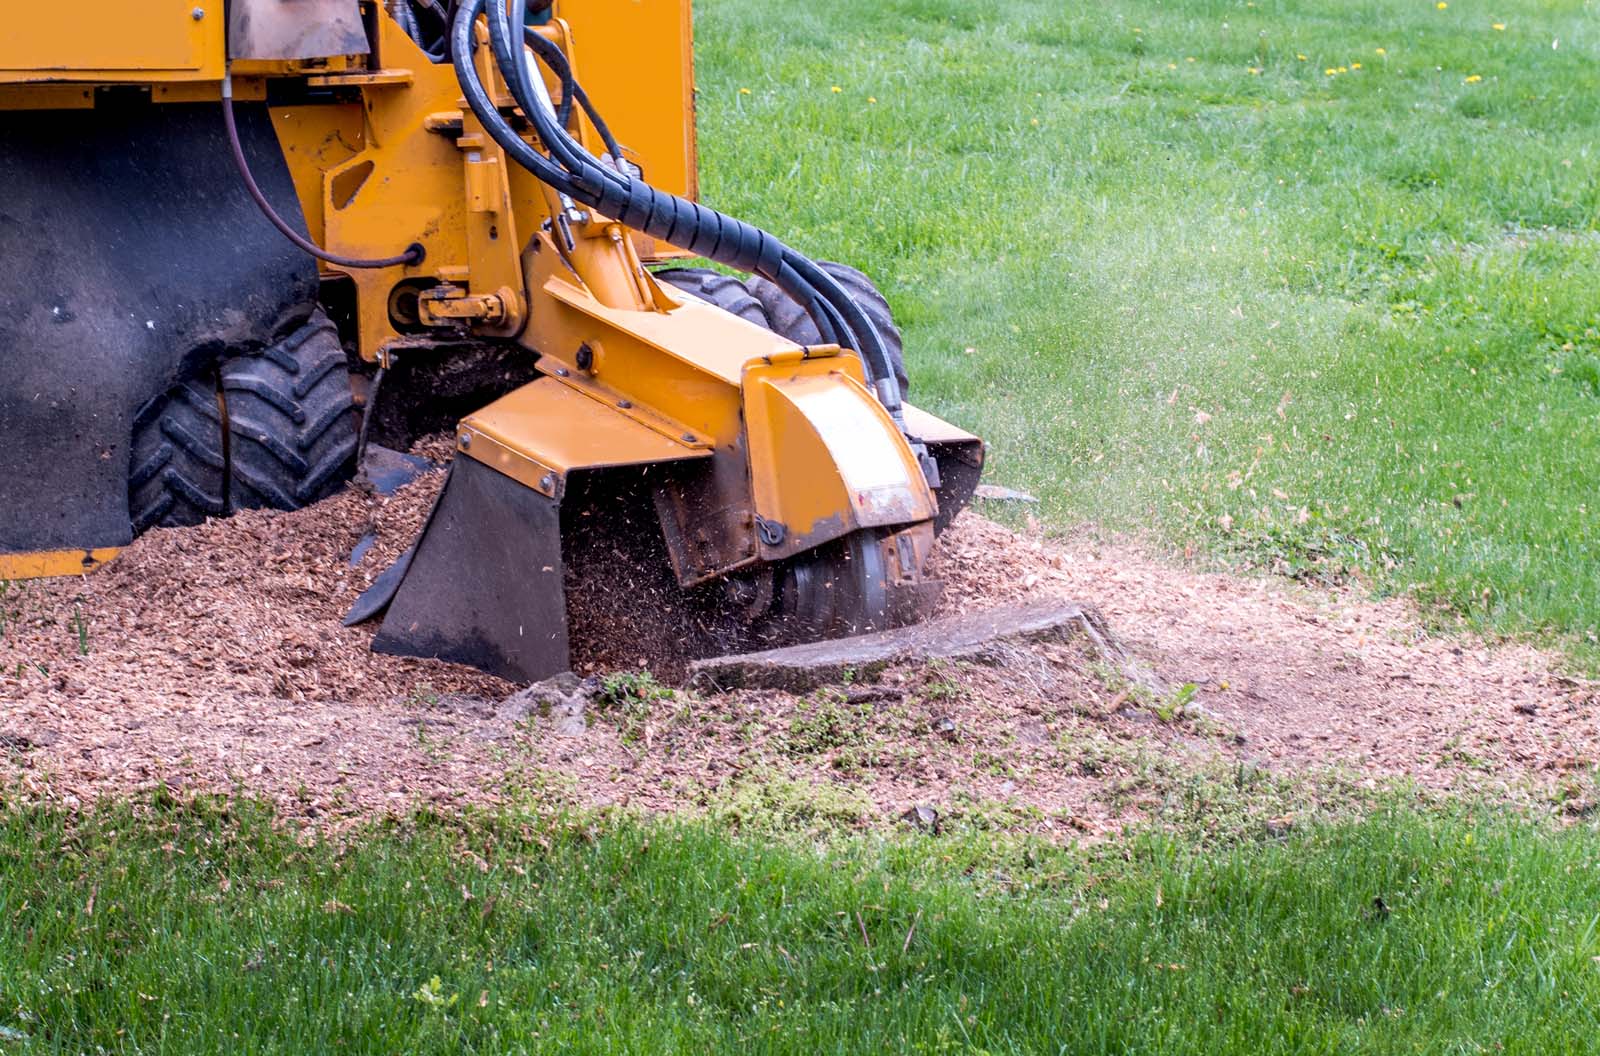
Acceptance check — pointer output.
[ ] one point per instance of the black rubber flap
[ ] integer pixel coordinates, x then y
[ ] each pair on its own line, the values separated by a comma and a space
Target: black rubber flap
130, 258
960, 469
483, 587
375, 600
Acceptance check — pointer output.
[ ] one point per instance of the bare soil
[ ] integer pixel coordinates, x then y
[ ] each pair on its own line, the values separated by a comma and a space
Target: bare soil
212, 659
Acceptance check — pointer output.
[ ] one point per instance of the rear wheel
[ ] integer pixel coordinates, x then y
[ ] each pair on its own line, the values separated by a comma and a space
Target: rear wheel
179, 473
292, 420
291, 430
791, 320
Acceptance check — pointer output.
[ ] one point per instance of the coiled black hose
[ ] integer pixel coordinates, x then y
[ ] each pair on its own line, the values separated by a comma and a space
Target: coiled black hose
616, 194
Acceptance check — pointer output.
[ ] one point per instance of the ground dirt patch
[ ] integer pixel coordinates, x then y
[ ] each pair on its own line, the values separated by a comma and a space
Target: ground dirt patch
212, 658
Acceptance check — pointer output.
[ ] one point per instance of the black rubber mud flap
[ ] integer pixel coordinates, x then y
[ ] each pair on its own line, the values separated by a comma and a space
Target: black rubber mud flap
131, 259
484, 584
960, 468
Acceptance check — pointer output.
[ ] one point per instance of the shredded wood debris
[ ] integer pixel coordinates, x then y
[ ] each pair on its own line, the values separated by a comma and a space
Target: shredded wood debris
212, 658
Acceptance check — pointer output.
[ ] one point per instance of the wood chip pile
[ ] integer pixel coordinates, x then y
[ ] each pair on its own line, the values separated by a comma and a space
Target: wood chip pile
212, 657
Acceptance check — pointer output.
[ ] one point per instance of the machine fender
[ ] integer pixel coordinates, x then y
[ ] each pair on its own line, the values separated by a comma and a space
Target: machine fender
130, 259
825, 457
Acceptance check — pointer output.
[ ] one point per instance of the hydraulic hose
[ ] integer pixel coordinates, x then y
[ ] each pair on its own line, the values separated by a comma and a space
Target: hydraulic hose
571, 90
616, 194
413, 254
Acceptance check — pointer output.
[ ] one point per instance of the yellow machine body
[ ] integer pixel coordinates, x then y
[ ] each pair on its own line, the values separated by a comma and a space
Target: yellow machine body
781, 449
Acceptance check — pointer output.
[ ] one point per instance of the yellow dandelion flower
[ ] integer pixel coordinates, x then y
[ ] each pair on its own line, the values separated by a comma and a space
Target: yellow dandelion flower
1499, 27
836, 88
872, 98
1344, 69
1441, 5
1035, 122
1474, 79
744, 91
1383, 51
1253, 69
1172, 65
1355, 65
1189, 59
1330, 71
1299, 56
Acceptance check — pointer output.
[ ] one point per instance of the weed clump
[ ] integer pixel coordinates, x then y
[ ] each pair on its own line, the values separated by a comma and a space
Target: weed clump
632, 697
774, 804
825, 721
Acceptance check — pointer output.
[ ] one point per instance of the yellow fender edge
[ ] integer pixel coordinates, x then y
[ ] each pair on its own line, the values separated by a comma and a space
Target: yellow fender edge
43, 564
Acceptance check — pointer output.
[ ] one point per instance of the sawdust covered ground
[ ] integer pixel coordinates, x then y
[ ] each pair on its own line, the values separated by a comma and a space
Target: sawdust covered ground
211, 658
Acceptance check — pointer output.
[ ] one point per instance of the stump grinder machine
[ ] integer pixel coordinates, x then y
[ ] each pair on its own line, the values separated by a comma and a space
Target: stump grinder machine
240, 240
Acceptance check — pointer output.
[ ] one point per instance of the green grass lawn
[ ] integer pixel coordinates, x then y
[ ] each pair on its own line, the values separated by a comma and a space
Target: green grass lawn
181, 931
1315, 286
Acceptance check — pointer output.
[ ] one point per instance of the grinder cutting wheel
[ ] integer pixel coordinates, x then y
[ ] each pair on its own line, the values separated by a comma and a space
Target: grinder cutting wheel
748, 443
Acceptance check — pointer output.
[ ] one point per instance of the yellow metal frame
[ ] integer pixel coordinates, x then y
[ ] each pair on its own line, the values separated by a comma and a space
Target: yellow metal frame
42, 564
114, 41
572, 434
792, 450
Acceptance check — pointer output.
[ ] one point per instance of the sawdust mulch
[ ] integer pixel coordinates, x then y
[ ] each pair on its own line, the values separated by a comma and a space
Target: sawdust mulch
211, 658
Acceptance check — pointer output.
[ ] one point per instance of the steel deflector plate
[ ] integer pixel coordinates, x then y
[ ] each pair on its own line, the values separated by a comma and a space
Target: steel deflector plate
484, 584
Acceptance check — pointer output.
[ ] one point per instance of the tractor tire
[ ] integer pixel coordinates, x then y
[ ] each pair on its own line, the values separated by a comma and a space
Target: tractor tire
178, 471
724, 291
292, 420
791, 320
291, 425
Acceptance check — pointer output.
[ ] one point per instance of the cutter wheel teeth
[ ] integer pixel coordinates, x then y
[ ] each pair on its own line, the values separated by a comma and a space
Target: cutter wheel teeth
841, 589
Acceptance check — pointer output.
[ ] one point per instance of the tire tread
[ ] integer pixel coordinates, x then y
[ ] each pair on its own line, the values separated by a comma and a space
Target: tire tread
790, 319
291, 422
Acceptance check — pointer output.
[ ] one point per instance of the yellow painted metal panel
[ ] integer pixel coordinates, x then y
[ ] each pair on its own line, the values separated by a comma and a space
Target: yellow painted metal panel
636, 61
825, 457
42, 564
114, 40
537, 433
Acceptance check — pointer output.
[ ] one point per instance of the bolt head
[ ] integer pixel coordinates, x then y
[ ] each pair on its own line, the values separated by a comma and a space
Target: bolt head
198, 13
466, 439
